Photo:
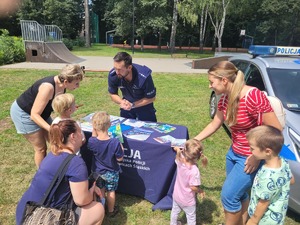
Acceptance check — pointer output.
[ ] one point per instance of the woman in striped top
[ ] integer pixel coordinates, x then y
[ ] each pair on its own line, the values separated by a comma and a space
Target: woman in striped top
241, 116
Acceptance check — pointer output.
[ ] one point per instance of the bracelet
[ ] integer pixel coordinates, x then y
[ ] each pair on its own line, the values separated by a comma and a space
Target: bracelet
132, 105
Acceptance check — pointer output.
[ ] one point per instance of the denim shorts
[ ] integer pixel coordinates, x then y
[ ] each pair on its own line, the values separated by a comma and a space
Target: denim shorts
109, 180
237, 183
23, 123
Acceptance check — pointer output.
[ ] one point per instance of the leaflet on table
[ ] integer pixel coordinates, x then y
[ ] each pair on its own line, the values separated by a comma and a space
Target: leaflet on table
86, 122
115, 131
162, 128
134, 123
138, 134
169, 139
86, 126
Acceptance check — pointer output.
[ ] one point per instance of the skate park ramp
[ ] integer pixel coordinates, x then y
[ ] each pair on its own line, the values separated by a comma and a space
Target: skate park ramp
43, 43
50, 52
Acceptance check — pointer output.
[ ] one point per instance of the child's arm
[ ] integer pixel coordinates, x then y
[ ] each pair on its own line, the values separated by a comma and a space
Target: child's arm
198, 190
121, 159
292, 181
178, 151
261, 208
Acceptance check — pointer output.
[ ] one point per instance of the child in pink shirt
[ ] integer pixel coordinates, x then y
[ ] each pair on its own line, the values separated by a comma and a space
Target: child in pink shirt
187, 182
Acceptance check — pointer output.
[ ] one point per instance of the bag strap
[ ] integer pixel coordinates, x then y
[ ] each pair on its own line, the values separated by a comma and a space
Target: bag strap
57, 178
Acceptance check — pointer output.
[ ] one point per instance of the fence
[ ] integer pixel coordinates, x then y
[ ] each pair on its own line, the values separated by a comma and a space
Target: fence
33, 31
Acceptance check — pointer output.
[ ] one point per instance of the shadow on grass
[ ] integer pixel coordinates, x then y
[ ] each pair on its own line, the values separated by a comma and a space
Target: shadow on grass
293, 215
124, 202
206, 209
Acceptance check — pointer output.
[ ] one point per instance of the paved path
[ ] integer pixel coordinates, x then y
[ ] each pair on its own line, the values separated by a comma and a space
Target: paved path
97, 63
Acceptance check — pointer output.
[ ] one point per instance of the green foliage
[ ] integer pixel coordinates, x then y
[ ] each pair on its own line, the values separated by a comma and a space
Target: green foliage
12, 48
80, 42
68, 43
66, 14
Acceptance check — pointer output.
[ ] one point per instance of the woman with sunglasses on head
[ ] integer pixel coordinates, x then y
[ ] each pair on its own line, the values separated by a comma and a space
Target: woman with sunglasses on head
31, 111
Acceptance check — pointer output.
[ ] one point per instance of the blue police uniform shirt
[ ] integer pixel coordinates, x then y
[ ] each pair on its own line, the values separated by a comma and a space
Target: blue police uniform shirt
141, 86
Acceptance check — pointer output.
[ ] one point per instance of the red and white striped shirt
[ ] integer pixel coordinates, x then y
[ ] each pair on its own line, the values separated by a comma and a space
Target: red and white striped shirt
249, 115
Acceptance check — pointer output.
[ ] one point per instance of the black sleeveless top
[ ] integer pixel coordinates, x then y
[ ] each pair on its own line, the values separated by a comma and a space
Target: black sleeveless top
26, 100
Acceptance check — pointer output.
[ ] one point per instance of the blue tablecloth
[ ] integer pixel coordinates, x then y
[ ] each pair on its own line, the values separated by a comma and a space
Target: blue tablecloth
148, 167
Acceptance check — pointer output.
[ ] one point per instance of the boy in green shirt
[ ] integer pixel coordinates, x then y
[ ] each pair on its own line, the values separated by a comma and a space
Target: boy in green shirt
271, 186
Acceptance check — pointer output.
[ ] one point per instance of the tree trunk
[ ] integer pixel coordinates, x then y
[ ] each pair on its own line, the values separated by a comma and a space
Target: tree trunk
87, 24
159, 41
142, 43
174, 26
203, 21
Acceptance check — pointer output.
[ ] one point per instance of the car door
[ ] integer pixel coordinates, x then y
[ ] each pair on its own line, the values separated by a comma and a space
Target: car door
254, 78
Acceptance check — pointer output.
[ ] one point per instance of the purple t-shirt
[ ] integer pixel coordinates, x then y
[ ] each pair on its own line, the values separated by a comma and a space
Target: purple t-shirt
106, 153
76, 172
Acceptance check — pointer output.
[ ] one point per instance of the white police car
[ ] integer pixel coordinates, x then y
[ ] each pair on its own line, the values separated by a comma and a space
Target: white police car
276, 70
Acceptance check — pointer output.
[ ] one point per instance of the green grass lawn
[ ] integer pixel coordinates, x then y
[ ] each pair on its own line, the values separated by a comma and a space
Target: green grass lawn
181, 99
107, 50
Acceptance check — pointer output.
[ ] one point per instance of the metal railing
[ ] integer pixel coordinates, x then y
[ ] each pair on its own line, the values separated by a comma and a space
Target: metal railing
33, 31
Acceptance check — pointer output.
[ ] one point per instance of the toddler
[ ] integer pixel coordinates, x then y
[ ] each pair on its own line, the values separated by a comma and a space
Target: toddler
187, 183
107, 152
271, 186
64, 106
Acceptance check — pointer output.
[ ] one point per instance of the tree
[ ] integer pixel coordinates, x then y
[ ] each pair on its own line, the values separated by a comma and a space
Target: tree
189, 10
174, 26
154, 21
87, 24
67, 14
149, 17
280, 24
217, 17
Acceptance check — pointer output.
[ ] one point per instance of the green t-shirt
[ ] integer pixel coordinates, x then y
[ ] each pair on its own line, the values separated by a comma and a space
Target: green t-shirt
272, 184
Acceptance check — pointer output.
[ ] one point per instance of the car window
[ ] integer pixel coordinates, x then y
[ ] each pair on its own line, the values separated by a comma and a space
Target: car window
254, 78
241, 65
285, 83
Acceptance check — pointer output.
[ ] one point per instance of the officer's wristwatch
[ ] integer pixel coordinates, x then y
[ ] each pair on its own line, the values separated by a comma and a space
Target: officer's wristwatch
132, 105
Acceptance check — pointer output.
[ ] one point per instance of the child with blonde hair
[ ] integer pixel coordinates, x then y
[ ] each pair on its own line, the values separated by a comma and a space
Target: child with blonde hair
188, 182
64, 106
107, 152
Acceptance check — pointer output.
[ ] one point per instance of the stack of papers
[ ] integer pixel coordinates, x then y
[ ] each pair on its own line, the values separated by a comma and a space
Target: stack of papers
162, 128
138, 134
173, 141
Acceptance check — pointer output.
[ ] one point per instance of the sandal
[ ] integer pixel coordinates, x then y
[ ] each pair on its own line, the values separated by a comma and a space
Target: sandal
113, 213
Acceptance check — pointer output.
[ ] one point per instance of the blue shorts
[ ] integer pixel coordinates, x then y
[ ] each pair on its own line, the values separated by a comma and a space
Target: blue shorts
23, 123
237, 183
109, 180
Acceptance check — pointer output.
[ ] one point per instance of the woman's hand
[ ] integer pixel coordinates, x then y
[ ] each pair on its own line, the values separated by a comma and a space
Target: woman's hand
98, 192
251, 164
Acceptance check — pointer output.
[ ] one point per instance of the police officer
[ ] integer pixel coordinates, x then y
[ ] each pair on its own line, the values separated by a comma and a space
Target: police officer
137, 87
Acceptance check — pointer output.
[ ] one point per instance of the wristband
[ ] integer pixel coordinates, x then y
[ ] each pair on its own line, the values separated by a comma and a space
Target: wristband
132, 105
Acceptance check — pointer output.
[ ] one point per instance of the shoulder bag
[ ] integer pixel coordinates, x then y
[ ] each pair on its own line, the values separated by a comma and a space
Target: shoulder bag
41, 213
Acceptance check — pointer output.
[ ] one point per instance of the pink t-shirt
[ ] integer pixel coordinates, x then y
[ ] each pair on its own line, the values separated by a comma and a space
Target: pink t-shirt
249, 115
186, 177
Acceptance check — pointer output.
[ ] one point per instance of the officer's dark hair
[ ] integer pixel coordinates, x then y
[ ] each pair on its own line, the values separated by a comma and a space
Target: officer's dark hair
123, 56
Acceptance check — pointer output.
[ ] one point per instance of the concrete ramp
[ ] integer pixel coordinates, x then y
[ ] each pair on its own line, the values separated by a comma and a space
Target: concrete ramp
49, 52
207, 62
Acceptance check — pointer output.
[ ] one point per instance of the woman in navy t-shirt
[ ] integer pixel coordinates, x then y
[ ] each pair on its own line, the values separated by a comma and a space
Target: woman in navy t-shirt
65, 139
